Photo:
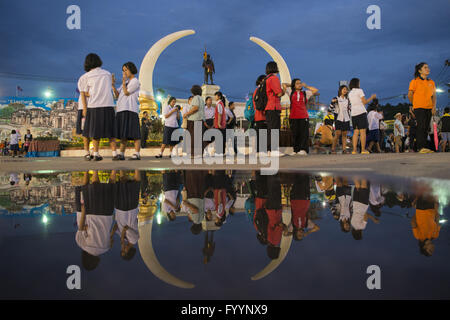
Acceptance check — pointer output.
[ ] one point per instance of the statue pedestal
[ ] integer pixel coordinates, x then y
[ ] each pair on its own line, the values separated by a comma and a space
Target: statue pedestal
208, 90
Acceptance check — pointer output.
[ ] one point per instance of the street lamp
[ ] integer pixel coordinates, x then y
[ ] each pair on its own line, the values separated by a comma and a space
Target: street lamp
439, 90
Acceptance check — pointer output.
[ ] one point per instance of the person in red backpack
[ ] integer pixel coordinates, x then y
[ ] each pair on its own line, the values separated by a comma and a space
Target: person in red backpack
273, 107
260, 116
220, 120
298, 116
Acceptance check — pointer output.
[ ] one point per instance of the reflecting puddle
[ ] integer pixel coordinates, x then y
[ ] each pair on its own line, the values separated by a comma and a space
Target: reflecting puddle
222, 235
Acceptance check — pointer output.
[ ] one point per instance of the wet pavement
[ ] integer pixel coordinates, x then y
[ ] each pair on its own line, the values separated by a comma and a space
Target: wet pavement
197, 234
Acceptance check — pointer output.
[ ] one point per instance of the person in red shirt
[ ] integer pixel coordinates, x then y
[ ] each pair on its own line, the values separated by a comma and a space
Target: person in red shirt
300, 201
298, 116
273, 108
220, 121
260, 116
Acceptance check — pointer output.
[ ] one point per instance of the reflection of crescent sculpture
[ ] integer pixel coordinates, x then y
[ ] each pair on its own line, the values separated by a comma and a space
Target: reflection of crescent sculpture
150, 259
285, 246
282, 66
146, 97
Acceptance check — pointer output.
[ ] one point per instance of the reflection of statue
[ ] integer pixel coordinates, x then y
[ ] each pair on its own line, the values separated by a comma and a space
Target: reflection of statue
208, 66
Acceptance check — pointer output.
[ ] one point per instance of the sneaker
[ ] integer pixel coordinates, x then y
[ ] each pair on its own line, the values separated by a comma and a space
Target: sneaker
293, 153
135, 157
303, 153
276, 154
88, 157
98, 158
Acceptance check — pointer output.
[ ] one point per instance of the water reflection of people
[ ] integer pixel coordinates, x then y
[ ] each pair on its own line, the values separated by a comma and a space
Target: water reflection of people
274, 210
425, 223
300, 201
171, 188
360, 205
194, 202
95, 206
376, 200
126, 213
344, 196
220, 196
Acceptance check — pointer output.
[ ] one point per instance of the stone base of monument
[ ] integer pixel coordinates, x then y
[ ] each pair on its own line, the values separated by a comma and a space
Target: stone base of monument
208, 90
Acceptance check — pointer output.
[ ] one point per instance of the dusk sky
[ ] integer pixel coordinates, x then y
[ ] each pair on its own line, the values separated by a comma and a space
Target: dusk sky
321, 41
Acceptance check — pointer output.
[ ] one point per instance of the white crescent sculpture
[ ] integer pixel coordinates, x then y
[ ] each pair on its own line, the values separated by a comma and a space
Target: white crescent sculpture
146, 96
282, 66
285, 246
151, 261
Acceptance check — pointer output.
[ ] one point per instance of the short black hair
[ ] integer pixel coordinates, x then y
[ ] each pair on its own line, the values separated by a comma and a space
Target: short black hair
171, 99
354, 83
230, 103
271, 67
342, 88
447, 110
196, 90
92, 61
208, 97
13, 131
89, 261
357, 234
130, 254
196, 228
130, 66
417, 69
260, 79
273, 252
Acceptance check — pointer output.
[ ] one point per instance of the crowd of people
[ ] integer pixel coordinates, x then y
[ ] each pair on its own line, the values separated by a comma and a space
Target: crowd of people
101, 117
15, 147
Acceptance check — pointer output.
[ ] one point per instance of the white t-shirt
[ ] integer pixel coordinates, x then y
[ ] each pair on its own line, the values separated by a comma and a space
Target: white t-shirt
375, 197
94, 240
209, 112
171, 196
401, 130
98, 84
355, 96
14, 138
344, 202
229, 113
128, 218
82, 84
374, 120
209, 204
343, 115
359, 212
130, 102
171, 121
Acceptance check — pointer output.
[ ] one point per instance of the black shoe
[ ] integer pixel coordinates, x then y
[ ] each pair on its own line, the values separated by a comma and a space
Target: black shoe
88, 157
158, 156
122, 157
116, 157
98, 158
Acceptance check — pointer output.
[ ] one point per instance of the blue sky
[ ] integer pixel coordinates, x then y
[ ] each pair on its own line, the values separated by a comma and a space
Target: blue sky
322, 42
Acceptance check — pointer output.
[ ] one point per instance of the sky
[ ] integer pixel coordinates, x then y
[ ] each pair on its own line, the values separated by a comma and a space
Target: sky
322, 42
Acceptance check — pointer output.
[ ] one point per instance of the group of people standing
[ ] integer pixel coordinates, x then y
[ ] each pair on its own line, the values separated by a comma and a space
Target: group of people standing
100, 117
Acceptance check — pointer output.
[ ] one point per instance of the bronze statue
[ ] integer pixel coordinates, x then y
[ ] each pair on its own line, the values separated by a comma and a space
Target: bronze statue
208, 66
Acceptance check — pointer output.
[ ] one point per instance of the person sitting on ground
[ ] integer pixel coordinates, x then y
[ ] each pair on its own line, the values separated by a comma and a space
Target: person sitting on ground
324, 134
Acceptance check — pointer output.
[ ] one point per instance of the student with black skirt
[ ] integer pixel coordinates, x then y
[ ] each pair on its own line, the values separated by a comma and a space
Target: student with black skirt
99, 114
127, 112
171, 114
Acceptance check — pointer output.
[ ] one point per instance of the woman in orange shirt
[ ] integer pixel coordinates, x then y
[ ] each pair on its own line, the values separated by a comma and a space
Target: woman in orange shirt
422, 94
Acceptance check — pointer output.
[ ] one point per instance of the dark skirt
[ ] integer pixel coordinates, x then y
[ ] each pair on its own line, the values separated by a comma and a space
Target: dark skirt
99, 123
171, 181
127, 195
167, 136
14, 147
99, 198
127, 125
79, 130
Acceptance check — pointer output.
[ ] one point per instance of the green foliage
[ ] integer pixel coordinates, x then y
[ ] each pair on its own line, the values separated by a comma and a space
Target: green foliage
389, 110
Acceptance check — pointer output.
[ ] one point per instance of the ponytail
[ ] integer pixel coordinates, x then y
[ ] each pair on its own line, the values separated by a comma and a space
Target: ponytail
221, 97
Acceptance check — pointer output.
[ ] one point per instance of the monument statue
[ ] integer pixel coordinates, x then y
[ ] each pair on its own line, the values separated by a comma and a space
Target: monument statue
208, 66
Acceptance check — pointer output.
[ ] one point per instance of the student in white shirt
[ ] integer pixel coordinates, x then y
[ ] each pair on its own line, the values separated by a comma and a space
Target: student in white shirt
127, 112
14, 143
99, 113
360, 201
208, 122
80, 118
341, 107
171, 115
359, 114
399, 132
374, 117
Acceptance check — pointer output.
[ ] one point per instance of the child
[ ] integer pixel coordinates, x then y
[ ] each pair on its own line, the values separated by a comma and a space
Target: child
14, 143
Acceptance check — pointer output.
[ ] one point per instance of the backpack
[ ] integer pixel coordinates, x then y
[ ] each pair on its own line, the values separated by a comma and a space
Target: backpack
261, 95
249, 112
